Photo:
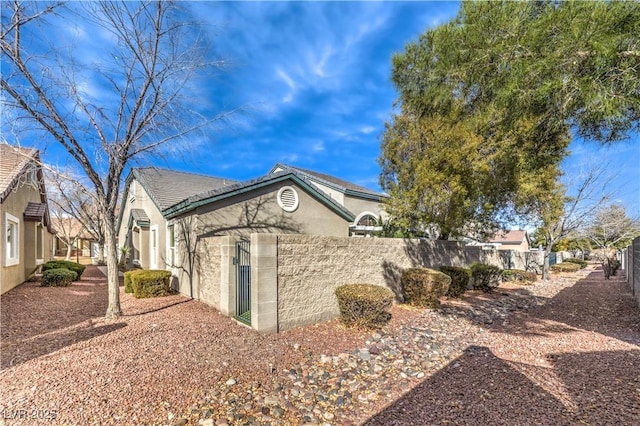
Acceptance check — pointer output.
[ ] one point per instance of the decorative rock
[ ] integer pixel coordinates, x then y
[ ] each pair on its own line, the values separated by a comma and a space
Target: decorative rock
277, 411
231, 382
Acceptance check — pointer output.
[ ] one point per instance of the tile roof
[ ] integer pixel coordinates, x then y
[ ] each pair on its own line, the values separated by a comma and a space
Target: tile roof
329, 180
14, 162
169, 187
514, 237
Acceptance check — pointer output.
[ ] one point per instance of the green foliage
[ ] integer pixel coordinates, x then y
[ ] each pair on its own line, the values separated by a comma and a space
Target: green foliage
77, 268
364, 305
58, 277
424, 287
128, 283
565, 267
485, 277
519, 275
582, 263
459, 280
150, 283
487, 102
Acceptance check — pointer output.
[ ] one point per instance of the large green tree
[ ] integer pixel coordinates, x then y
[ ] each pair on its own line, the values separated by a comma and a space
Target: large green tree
488, 103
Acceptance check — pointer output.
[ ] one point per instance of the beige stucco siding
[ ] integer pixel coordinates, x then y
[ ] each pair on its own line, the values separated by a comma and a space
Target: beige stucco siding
35, 242
357, 206
258, 211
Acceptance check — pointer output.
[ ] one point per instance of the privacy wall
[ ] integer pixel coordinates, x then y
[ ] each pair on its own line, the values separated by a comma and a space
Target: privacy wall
293, 277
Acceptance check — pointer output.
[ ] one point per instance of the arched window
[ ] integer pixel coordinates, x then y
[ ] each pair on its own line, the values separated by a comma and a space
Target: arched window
367, 220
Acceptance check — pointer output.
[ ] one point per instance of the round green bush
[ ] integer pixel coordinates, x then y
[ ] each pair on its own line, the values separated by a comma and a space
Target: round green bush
459, 280
364, 305
151, 283
485, 277
57, 277
424, 287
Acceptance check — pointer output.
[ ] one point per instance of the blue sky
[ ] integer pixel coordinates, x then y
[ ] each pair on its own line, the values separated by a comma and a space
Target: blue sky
313, 80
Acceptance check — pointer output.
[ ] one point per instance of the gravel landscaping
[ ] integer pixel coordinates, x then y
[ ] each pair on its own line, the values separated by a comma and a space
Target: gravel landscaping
565, 351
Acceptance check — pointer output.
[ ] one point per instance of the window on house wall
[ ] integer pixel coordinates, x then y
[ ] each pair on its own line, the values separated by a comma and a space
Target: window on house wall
368, 220
171, 245
12, 235
153, 247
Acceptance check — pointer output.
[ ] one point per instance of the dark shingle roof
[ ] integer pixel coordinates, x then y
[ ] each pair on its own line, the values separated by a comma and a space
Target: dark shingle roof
35, 211
169, 187
331, 181
240, 187
140, 216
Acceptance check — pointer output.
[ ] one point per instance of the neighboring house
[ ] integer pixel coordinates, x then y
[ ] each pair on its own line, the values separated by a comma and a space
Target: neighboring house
164, 212
26, 230
511, 240
72, 239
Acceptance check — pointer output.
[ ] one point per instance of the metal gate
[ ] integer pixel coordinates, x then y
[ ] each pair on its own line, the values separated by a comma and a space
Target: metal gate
243, 281
553, 258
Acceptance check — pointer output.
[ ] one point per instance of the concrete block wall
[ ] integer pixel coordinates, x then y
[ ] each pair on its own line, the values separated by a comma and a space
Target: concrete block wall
633, 269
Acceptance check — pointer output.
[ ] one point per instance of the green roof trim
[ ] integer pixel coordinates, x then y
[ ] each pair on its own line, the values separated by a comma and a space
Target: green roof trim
212, 196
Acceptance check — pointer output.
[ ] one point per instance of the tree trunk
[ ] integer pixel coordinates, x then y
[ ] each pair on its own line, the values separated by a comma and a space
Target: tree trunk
113, 283
69, 246
545, 266
101, 252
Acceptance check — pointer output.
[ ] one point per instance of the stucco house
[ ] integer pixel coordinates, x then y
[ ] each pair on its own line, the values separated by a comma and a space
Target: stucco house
511, 240
26, 230
164, 213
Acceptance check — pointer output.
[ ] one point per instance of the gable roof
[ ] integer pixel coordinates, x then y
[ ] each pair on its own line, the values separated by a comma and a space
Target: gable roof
509, 237
217, 194
341, 185
168, 187
14, 163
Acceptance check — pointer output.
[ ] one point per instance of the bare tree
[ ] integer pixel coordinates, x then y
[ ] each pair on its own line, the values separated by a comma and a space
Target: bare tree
71, 199
141, 72
558, 220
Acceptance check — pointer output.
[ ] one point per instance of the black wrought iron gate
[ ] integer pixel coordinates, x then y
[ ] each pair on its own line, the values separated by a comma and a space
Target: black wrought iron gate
243, 281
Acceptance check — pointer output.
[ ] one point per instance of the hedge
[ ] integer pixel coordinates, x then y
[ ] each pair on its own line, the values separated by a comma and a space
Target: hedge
59, 277
65, 264
565, 267
150, 283
582, 263
519, 275
364, 305
459, 280
424, 287
485, 277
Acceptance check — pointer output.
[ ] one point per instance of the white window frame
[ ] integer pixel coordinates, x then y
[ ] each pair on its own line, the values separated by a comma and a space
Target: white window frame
12, 246
153, 247
171, 249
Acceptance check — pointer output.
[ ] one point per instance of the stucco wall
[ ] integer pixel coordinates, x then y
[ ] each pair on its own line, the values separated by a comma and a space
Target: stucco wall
15, 204
633, 271
209, 277
360, 205
310, 268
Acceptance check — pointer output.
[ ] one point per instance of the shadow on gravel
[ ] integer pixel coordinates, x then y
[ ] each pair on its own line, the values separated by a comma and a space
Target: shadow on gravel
480, 388
22, 351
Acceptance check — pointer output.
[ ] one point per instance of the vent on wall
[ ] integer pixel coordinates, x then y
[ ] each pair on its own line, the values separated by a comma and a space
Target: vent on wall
288, 199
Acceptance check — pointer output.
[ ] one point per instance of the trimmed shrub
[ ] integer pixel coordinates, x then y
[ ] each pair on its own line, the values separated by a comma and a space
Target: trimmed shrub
128, 285
582, 263
519, 275
485, 277
65, 264
424, 287
565, 267
459, 280
150, 283
364, 305
615, 265
59, 277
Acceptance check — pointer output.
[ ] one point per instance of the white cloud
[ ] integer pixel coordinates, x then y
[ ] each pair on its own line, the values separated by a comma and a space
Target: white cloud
367, 130
318, 147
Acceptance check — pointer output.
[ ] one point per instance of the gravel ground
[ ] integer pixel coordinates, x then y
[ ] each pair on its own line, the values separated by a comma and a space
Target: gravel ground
557, 352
